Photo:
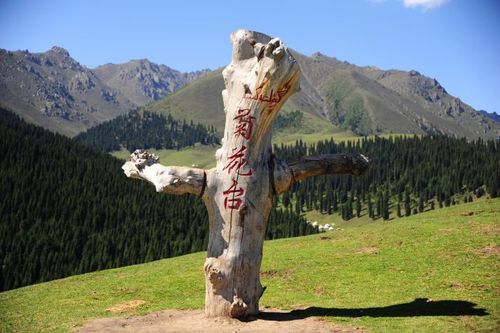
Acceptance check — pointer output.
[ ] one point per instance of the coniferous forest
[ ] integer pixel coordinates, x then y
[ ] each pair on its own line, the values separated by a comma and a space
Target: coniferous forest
146, 130
406, 176
67, 209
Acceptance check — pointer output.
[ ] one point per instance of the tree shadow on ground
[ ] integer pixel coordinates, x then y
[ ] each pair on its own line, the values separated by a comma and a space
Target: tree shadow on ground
419, 307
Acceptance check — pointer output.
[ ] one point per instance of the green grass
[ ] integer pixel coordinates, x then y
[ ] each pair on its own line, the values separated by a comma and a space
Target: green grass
200, 101
369, 277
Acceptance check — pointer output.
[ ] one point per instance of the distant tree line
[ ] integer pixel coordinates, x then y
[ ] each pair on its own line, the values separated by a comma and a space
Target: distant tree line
291, 120
66, 209
406, 176
146, 130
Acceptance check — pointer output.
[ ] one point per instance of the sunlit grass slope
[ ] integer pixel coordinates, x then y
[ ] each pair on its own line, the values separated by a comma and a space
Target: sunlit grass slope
418, 274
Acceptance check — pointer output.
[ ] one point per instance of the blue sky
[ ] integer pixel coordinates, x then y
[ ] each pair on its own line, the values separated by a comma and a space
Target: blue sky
455, 41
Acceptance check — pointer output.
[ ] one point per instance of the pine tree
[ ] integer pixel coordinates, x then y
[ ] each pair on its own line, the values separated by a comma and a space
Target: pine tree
370, 208
407, 203
358, 207
385, 206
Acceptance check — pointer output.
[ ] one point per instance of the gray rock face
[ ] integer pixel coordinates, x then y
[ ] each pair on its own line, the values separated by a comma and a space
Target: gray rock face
143, 81
53, 90
491, 115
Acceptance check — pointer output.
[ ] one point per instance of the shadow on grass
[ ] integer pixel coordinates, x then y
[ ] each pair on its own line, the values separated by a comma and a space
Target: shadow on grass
419, 307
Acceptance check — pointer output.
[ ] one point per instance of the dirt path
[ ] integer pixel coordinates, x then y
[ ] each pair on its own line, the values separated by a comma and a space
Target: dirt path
195, 321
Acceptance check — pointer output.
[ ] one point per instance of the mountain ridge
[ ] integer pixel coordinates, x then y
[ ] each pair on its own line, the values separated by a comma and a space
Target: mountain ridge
418, 103
144, 81
55, 91
365, 100
492, 115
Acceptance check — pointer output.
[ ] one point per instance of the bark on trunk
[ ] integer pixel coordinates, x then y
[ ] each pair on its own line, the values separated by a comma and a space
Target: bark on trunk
239, 191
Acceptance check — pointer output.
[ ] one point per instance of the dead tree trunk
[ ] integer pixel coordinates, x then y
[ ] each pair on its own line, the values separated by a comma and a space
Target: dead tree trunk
239, 191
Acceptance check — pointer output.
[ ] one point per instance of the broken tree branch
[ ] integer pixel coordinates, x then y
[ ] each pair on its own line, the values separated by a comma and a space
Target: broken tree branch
169, 180
339, 164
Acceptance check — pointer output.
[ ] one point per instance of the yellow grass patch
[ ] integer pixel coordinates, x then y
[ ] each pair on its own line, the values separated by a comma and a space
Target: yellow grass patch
126, 306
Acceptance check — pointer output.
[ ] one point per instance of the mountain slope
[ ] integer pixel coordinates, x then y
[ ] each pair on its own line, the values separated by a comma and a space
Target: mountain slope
200, 101
143, 81
364, 100
53, 90
370, 100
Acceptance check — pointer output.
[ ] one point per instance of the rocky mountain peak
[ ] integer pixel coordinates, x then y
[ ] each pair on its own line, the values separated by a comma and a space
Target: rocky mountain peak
491, 115
60, 51
143, 81
317, 54
54, 90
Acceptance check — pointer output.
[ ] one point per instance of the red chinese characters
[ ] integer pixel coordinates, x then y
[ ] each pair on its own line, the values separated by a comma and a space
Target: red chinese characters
237, 161
273, 98
232, 196
244, 124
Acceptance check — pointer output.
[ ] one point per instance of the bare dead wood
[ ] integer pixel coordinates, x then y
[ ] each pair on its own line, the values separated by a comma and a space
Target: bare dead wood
336, 164
169, 180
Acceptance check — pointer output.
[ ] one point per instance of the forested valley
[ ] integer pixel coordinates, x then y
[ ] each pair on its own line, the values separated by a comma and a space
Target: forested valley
67, 209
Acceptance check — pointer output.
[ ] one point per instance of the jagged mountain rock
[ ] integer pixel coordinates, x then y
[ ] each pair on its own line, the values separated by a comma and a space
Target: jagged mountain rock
492, 115
53, 90
143, 81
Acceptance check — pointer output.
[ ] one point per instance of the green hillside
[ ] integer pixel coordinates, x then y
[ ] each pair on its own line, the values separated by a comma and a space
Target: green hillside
337, 96
201, 102
433, 272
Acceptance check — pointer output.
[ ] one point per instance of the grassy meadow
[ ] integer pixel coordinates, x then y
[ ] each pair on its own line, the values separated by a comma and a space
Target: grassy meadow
433, 272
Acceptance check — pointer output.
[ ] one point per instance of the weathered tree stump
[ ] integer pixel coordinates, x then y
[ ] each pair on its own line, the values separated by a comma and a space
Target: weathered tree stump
239, 191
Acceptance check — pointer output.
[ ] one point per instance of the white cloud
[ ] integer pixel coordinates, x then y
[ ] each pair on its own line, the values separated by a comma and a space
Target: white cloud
425, 4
